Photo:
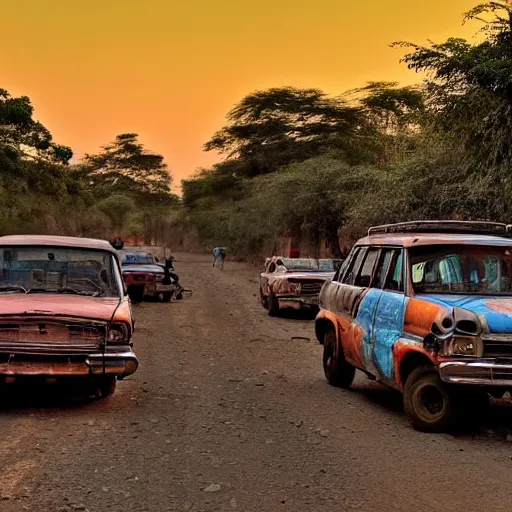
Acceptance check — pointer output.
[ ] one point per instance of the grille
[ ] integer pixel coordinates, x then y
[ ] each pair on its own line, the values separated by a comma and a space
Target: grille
497, 346
309, 286
42, 336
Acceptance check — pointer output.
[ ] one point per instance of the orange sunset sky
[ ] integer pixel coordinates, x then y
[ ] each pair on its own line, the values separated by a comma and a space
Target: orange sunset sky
170, 70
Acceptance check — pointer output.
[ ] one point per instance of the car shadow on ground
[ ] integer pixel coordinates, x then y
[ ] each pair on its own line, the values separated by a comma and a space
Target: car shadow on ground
297, 314
43, 396
494, 421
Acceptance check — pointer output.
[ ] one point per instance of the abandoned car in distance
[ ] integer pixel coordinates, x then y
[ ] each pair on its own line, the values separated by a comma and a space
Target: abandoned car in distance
64, 313
145, 277
294, 282
426, 308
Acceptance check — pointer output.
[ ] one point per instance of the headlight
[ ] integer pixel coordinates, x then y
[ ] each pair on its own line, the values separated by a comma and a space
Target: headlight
465, 346
117, 333
296, 287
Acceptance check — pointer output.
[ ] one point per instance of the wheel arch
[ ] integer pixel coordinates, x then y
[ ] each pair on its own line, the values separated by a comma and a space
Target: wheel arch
412, 360
322, 325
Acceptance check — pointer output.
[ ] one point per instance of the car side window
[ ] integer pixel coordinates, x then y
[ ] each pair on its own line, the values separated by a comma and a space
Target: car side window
364, 277
353, 266
272, 268
386, 256
395, 275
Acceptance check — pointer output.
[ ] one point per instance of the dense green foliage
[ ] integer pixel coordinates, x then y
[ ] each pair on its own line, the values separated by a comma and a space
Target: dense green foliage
320, 170
123, 189
298, 164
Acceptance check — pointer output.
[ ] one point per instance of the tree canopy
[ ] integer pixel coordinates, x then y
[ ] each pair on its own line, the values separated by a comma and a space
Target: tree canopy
125, 166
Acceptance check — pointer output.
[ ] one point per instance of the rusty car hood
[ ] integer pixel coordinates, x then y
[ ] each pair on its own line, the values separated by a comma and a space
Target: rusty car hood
497, 310
20, 304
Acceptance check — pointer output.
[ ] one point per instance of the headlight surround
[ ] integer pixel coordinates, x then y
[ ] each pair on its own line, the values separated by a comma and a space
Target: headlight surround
297, 287
118, 333
470, 346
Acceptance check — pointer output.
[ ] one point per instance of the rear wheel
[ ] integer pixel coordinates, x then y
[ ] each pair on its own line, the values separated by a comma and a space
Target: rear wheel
136, 293
165, 297
337, 370
430, 405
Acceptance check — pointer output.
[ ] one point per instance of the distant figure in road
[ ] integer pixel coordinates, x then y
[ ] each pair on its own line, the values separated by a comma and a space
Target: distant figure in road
117, 243
219, 253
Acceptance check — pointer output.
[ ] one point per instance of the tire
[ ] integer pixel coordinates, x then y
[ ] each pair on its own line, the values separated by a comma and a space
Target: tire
430, 405
165, 297
106, 386
263, 300
136, 293
273, 305
337, 370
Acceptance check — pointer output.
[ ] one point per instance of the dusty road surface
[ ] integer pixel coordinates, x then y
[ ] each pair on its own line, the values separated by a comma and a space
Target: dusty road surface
230, 411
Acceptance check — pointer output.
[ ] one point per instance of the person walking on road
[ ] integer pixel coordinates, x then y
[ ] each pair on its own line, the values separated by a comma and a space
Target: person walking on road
219, 253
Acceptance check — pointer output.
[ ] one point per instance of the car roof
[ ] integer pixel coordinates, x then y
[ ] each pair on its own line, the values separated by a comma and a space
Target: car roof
57, 241
419, 239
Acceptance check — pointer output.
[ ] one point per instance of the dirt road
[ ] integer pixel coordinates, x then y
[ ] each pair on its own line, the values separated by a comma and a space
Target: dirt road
230, 411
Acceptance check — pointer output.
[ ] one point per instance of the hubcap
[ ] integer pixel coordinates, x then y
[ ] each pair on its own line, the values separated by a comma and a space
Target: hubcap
430, 402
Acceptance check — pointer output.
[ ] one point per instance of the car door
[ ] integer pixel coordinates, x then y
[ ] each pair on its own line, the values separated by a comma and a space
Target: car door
340, 295
389, 312
270, 268
347, 299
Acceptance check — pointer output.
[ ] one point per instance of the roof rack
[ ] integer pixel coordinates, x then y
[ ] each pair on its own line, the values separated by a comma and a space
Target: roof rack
445, 226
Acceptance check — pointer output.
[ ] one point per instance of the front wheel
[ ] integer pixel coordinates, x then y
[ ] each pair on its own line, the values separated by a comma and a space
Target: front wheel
106, 386
337, 370
430, 405
273, 305
263, 299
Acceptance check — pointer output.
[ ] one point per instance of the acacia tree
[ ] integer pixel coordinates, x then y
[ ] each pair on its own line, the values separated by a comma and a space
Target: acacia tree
272, 128
125, 166
124, 173
23, 137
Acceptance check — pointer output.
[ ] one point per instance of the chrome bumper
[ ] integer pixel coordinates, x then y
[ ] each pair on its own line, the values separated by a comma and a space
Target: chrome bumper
119, 364
154, 289
298, 302
482, 372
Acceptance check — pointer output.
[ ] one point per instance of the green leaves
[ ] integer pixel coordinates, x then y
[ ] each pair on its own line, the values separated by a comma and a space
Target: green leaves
126, 166
23, 136
272, 128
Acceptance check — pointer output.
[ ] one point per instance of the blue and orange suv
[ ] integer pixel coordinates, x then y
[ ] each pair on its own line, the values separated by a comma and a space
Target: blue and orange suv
426, 308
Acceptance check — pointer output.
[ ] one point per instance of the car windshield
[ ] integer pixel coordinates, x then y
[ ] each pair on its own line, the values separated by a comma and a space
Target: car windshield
309, 265
58, 270
485, 270
137, 258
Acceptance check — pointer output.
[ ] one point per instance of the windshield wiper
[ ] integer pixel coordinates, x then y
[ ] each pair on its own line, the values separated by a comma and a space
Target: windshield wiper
74, 291
66, 289
12, 288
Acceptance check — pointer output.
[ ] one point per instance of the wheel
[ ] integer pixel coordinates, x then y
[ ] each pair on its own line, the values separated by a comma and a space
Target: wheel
263, 299
337, 370
273, 305
136, 293
179, 295
430, 405
165, 297
106, 386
